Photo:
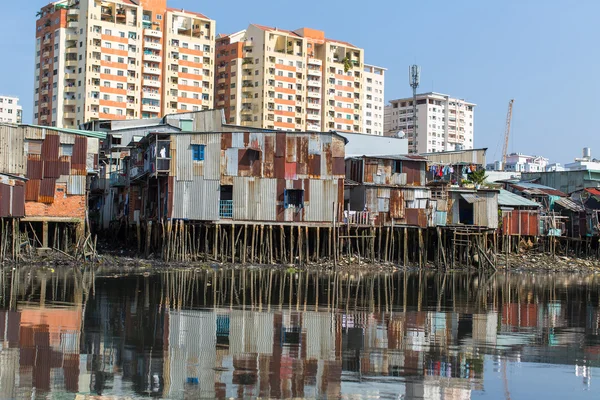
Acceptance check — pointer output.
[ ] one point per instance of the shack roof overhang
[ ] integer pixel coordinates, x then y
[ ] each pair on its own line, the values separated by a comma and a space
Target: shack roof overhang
92, 134
399, 157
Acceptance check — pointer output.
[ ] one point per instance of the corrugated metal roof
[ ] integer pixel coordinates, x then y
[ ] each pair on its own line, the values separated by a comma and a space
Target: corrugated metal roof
593, 191
506, 198
471, 197
93, 134
537, 188
569, 204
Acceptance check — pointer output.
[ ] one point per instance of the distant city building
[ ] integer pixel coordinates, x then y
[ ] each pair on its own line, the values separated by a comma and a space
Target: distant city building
120, 59
373, 101
10, 110
272, 78
585, 163
444, 123
519, 162
554, 167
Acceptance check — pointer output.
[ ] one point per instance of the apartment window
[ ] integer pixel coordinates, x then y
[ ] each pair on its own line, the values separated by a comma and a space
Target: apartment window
279, 73
106, 110
120, 99
184, 57
290, 74
121, 47
197, 59
184, 70
122, 34
198, 152
107, 71
119, 111
106, 97
106, 84
108, 45
183, 107
120, 73
107, 58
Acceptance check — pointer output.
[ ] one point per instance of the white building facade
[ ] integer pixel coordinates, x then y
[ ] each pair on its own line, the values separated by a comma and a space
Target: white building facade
519, 162
444, 123
373, 100
10, 110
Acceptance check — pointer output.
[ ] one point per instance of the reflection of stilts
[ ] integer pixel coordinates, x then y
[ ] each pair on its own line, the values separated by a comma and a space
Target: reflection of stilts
505, 380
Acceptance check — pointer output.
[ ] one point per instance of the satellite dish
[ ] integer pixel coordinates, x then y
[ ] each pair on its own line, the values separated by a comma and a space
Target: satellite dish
401, 134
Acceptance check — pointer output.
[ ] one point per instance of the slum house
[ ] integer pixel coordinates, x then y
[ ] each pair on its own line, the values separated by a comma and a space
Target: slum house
454, 166
387, 189
57, 165
520, 216
590, 199
565, 181
12, 188
290, 181
110, 190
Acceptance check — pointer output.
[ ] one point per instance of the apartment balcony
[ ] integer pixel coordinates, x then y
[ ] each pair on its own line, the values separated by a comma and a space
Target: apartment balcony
118, 179
45, 92
314, 72
71, 63
247, 78
46, 42
313, 83
70, 89
94, 114
72, 12
313, 117
43, 117
221, 80
313, 106
152, 58
94, 101
314, 95
45, 79
151, 95
70, 76
151, 83
71, 50
95, 34
246, 100
44, 104
69, 115
314, 61
221, 91
221, 69
131, 106
150, 108
153, 33
313, 127
152, 45
70, 102
246, 110
151, 70
72, 24
131, 79
46, 54
46, 66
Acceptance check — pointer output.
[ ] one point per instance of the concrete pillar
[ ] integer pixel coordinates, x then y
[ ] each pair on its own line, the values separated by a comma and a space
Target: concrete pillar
45, 234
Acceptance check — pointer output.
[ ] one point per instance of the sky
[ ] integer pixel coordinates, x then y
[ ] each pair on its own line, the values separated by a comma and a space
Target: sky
541, 53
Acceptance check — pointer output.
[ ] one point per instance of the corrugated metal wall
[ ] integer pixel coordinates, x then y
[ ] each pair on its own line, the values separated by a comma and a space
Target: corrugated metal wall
196, 200
12, 150
76, 184
323, 194
183, 161
254, 199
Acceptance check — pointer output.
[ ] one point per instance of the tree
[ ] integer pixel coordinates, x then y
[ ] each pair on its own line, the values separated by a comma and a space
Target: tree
478, 177
347, 63
38, 14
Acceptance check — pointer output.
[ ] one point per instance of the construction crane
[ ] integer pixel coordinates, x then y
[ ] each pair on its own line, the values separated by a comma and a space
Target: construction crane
507, 133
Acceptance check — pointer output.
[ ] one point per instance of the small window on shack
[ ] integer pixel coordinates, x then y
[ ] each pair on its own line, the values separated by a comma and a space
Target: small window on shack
66, 149
293, 198
198, 152
186, 125
397, 167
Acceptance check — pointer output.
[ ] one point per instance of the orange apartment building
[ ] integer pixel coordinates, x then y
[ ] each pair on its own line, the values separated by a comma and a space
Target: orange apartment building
120, 59
289, 80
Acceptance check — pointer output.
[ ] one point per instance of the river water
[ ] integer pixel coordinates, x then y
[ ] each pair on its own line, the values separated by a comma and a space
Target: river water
244, 333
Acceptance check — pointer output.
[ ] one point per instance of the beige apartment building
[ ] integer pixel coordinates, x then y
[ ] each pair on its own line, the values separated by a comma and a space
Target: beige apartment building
10, 110
373, 100
120, 59
290, 80
444, 123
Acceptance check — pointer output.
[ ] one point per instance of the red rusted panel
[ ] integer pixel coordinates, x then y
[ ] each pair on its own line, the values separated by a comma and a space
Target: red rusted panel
47, 188
339, 167
52, 169
4, 200
306, 189
246, 139
170, 199
413, 172
416, 216
32, 189
78, 169
269, 170
314, 166
297, 184
280, 189
50, 147
520, 222
280, 145
290, 170
35, 167
225, 141
279, 167
328, 159
79, 151
18, 201
396, 204
298, 215
65, 164
302, 150
371, 168
95, 161
280, 213
269, 150
341, 191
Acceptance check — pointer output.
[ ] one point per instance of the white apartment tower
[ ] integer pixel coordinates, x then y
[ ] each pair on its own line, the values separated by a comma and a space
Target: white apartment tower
120, 59
373, 100
444, 123
10, 110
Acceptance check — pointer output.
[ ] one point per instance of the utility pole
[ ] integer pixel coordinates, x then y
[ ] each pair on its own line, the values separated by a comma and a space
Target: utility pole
414, 76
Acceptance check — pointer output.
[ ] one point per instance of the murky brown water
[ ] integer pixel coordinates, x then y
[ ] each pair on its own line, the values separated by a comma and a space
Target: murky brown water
278, 334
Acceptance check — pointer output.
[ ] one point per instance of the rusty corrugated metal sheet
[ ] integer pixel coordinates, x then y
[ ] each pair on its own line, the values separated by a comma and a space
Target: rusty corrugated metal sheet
416, 217
314, 144
76, 185
32, 189
414, 172
35, 167
5, 202
327, 171
323, 194
79, 151
34, 147
12, 150
521, 222
47, 188
212, 161
231, 161
290, 150
65, 165
225, 140
280, 144
338, 147
314, 166
396, 204
302, 155
184, 163
50, 147
18, 201
257, 140
34, 133
237, 140
52, 169
339, 167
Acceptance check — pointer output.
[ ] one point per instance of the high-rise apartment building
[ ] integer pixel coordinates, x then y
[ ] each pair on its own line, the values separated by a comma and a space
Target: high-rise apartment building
290, 80
10, 110
373, 100
120, 59
444, 123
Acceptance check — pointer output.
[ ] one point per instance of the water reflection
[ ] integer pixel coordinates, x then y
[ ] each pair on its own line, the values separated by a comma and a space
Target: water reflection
268, 333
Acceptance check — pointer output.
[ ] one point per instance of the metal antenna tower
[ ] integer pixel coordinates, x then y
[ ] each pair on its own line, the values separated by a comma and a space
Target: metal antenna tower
414, 76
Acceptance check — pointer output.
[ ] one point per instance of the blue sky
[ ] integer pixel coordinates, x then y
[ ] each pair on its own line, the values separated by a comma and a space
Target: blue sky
542, 53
